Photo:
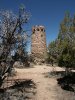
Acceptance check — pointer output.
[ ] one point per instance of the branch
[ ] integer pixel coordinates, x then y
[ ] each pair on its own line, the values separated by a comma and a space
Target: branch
15, 27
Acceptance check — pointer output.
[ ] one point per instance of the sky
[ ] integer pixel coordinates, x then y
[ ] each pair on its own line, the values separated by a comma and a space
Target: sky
48, 13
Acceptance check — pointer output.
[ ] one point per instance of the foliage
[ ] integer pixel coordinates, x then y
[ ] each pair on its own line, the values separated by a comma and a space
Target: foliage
63, 47
11, 36
52, 50
67, 58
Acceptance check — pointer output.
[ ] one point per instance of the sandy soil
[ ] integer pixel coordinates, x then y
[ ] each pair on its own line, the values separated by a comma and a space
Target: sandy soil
47, 88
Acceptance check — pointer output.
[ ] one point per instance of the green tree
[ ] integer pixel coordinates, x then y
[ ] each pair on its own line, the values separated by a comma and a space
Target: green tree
63, 46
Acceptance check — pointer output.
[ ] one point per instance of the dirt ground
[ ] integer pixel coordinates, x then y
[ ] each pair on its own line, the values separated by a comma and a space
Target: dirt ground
46, 88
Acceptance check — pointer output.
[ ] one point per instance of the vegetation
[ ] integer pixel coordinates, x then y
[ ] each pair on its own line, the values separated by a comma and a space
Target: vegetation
63, 48
12, 38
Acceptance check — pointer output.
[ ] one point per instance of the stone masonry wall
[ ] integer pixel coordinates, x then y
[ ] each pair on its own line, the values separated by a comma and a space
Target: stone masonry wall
38, 42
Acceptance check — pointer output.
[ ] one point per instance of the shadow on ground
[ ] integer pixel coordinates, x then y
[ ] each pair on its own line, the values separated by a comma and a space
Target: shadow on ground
67, 82
24, 90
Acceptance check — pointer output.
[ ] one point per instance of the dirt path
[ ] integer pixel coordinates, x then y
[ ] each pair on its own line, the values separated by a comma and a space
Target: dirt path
47, 88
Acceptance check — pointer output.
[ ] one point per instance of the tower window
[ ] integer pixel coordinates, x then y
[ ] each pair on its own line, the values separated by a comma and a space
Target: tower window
37, 29
34, 31
41, 35
41, 29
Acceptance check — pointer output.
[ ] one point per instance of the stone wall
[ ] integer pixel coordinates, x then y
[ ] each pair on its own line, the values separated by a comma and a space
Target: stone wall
38, 42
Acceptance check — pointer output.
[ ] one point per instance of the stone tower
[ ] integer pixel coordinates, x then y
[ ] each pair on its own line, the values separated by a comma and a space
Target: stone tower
38, 42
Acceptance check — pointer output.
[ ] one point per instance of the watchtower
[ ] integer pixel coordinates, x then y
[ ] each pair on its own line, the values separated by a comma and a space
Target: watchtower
38, 42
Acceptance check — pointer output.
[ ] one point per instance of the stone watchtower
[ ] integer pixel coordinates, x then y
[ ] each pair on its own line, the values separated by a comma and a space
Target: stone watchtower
38, 42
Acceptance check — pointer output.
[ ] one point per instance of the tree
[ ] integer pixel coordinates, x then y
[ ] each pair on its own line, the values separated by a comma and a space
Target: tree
67, 58
67, 42
64, 44
10, 32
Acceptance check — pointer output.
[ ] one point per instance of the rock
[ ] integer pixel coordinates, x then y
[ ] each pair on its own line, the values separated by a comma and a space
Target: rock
18, 64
